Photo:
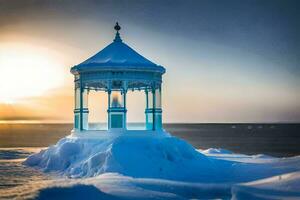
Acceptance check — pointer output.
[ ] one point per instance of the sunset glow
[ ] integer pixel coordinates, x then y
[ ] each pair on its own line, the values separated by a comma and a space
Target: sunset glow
26, 71
220, 68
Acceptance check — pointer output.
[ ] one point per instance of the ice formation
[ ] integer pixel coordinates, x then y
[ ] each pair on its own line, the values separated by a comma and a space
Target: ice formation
144, 164
136, 155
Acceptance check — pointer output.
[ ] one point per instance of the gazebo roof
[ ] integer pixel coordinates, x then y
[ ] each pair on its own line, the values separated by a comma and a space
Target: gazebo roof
117, 56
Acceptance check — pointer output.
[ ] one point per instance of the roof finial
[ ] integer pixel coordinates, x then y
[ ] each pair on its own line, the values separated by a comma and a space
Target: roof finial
117, 28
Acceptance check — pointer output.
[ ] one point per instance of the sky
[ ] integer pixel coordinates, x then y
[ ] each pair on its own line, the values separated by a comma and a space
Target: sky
226, 61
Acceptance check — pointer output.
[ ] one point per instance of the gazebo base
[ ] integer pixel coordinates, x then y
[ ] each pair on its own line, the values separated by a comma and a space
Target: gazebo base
103, 134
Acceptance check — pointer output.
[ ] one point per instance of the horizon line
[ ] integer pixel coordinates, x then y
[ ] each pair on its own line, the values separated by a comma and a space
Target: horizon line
69, 122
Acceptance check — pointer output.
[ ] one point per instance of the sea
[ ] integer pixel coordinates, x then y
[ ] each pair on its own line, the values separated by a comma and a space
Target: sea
19, 140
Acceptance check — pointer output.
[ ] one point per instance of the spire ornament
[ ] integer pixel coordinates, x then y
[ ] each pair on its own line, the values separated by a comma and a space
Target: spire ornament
117, 27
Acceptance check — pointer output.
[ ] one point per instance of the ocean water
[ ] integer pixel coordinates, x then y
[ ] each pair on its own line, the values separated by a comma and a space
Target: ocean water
17, 141
272, 139
18, 181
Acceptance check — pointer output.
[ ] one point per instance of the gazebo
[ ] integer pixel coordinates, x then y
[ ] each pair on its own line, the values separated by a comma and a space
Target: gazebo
115, 70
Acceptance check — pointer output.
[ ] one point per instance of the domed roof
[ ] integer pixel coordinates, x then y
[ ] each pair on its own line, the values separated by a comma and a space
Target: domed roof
117, 56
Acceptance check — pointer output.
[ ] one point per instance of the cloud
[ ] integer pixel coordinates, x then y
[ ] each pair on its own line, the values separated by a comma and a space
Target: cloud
57, 105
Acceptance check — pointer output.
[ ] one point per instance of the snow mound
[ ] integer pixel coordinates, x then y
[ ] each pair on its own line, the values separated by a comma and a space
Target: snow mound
115, 186
216, 151
159, 166
262, 156
286, 186
131, 155
75, 192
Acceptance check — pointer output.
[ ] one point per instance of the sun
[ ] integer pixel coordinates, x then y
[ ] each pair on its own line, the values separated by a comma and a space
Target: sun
26, 71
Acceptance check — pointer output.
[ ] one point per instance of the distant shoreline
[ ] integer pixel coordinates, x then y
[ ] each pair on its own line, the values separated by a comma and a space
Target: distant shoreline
181, 123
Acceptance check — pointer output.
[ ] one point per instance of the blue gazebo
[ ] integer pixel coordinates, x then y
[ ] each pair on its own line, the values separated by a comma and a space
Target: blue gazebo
116, 69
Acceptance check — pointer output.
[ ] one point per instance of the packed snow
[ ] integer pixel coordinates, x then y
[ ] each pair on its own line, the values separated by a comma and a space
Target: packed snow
136, 155
160, 166
284, 186
216, 151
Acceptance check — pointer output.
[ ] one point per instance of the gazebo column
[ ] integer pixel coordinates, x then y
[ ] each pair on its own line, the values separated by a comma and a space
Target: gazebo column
153, 109
77, 108
84, 110
81, 110
125, 109
108, 110
148, 112
157, 111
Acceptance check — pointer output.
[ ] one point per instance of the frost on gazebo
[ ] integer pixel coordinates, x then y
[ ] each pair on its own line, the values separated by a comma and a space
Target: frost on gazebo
115, 70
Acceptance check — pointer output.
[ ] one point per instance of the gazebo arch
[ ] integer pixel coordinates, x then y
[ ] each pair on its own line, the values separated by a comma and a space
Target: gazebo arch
116, 69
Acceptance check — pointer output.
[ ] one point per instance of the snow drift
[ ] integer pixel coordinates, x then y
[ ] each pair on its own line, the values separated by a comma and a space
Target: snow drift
116, 186
161, 166
131, 155
285, 186
154, 155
